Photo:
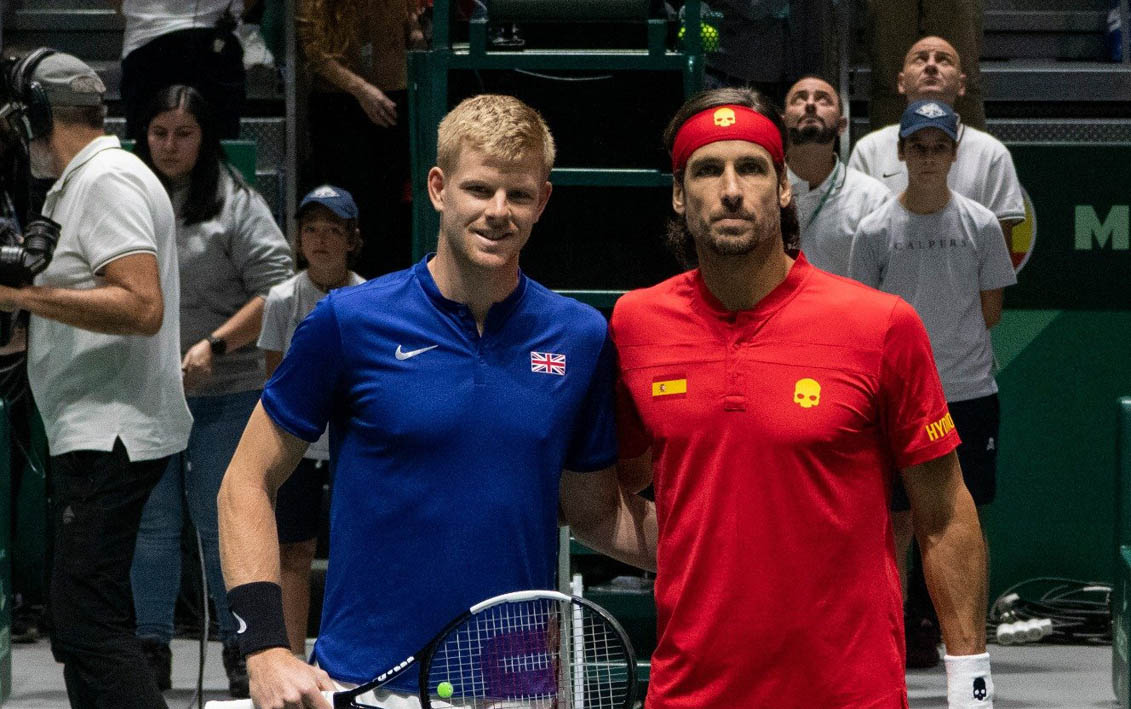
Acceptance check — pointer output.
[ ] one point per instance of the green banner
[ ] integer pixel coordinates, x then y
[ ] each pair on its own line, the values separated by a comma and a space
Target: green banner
1074, 249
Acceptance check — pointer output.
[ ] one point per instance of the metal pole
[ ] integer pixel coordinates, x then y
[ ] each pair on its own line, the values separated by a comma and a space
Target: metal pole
290, 98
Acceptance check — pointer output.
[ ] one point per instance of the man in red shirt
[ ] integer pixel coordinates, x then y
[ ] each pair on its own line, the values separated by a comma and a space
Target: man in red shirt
769, 402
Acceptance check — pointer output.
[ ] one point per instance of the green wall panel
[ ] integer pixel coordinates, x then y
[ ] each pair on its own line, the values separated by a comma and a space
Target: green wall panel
1054, 512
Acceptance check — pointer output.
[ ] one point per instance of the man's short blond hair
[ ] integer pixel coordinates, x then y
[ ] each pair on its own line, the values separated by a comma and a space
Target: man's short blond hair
500, 126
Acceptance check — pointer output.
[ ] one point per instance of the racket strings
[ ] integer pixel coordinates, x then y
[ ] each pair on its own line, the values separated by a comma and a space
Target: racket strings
532, 654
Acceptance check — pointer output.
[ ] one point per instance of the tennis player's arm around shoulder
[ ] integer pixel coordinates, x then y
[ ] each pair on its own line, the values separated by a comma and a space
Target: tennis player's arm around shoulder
608, 518
954, 553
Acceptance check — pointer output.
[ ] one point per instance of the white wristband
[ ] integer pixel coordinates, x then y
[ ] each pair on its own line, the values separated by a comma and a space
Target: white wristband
968, 681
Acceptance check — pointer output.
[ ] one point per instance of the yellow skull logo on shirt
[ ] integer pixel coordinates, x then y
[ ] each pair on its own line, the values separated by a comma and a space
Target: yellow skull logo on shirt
807, 393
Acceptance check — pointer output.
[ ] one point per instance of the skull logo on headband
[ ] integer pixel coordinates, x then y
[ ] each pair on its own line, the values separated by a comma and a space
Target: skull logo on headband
724, 117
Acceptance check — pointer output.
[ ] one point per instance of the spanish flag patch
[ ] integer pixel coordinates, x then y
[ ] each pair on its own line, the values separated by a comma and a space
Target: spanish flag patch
669, 386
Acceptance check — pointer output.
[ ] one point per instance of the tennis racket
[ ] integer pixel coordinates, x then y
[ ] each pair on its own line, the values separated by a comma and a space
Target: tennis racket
521, 650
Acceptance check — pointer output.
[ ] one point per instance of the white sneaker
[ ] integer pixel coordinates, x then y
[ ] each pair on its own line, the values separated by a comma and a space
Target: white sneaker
255, 51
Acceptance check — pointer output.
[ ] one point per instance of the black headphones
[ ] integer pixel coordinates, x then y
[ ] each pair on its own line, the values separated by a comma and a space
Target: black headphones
34, 119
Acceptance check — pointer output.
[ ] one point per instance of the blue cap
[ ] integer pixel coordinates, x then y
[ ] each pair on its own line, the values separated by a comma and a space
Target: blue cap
335, 199
929, 114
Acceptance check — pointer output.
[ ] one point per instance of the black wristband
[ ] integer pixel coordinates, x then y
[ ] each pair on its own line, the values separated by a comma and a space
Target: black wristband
258, 608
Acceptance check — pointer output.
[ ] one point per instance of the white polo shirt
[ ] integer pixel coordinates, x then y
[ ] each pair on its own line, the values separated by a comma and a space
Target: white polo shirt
93, 388
830, 212
146, 20
983, 170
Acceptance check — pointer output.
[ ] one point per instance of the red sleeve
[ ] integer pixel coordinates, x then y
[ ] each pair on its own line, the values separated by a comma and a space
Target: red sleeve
915, 415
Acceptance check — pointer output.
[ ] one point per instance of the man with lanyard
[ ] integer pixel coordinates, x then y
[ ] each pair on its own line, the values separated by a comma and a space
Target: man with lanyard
104, 367
831, 198
456, 392
769, 402
983, 170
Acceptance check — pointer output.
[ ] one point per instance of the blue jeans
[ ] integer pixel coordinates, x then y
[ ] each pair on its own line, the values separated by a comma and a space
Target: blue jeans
193, 477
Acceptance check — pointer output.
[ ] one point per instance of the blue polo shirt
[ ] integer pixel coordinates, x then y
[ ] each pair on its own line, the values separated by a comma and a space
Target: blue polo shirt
447, 448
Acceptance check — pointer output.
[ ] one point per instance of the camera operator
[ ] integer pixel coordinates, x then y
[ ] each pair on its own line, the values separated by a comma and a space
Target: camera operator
104, 366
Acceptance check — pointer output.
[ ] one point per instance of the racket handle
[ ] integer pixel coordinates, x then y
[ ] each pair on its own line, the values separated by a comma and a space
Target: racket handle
246, 703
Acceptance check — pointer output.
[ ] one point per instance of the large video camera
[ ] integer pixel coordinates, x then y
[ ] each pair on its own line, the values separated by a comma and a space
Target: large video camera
25, 114
24, 256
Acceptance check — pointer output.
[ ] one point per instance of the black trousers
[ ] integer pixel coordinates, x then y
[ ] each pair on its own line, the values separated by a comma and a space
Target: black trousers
187, 57
350, 151
96, 511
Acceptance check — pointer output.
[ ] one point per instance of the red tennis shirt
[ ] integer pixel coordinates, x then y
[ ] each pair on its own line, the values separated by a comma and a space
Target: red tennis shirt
774, 433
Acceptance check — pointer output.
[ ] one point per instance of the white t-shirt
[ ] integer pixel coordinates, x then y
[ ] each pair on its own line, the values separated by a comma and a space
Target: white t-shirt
983, 170
940, 263
288, 304
147, 20
830, 212
93, 388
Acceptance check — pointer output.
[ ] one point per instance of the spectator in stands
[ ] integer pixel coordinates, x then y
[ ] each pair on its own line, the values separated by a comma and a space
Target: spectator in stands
175, 42
769, 44
895, 24
103, 368
328, 239
943, 253
230, 252
358, 114
831, 198
983, 171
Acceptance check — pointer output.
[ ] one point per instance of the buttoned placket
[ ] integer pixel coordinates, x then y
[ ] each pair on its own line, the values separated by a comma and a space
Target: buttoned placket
734, 398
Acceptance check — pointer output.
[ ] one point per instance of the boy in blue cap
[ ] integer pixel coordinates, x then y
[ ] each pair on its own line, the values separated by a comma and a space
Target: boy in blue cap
328, 241
945, 255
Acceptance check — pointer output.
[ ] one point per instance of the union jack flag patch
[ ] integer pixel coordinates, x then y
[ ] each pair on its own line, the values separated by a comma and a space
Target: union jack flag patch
547, 363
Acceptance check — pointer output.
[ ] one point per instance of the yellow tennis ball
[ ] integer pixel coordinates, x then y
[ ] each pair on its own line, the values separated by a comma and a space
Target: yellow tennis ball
445, 689
707, 33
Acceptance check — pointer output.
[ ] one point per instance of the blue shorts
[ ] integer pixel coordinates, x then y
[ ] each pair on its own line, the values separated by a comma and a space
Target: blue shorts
298, 503
977, 422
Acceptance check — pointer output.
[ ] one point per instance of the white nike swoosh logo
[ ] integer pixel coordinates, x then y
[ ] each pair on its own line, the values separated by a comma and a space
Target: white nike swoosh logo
402, 355
243, 625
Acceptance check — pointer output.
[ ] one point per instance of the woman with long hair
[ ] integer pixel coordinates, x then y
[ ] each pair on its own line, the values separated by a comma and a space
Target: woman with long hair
355, 51
230, 253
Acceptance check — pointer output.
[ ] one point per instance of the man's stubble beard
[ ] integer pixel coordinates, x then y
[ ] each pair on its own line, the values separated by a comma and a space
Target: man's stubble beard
811, 134
725, 245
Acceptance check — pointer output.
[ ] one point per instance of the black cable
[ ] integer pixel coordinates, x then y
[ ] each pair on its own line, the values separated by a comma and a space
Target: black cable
1080, 611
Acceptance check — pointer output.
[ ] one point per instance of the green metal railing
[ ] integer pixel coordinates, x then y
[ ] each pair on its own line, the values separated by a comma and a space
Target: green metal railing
428, 73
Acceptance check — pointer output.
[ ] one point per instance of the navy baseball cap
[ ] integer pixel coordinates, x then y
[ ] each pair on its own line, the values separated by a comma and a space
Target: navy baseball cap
929, 114
335, 199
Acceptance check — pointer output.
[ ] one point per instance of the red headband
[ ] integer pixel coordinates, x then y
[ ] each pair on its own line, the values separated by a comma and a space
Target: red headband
729, 122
